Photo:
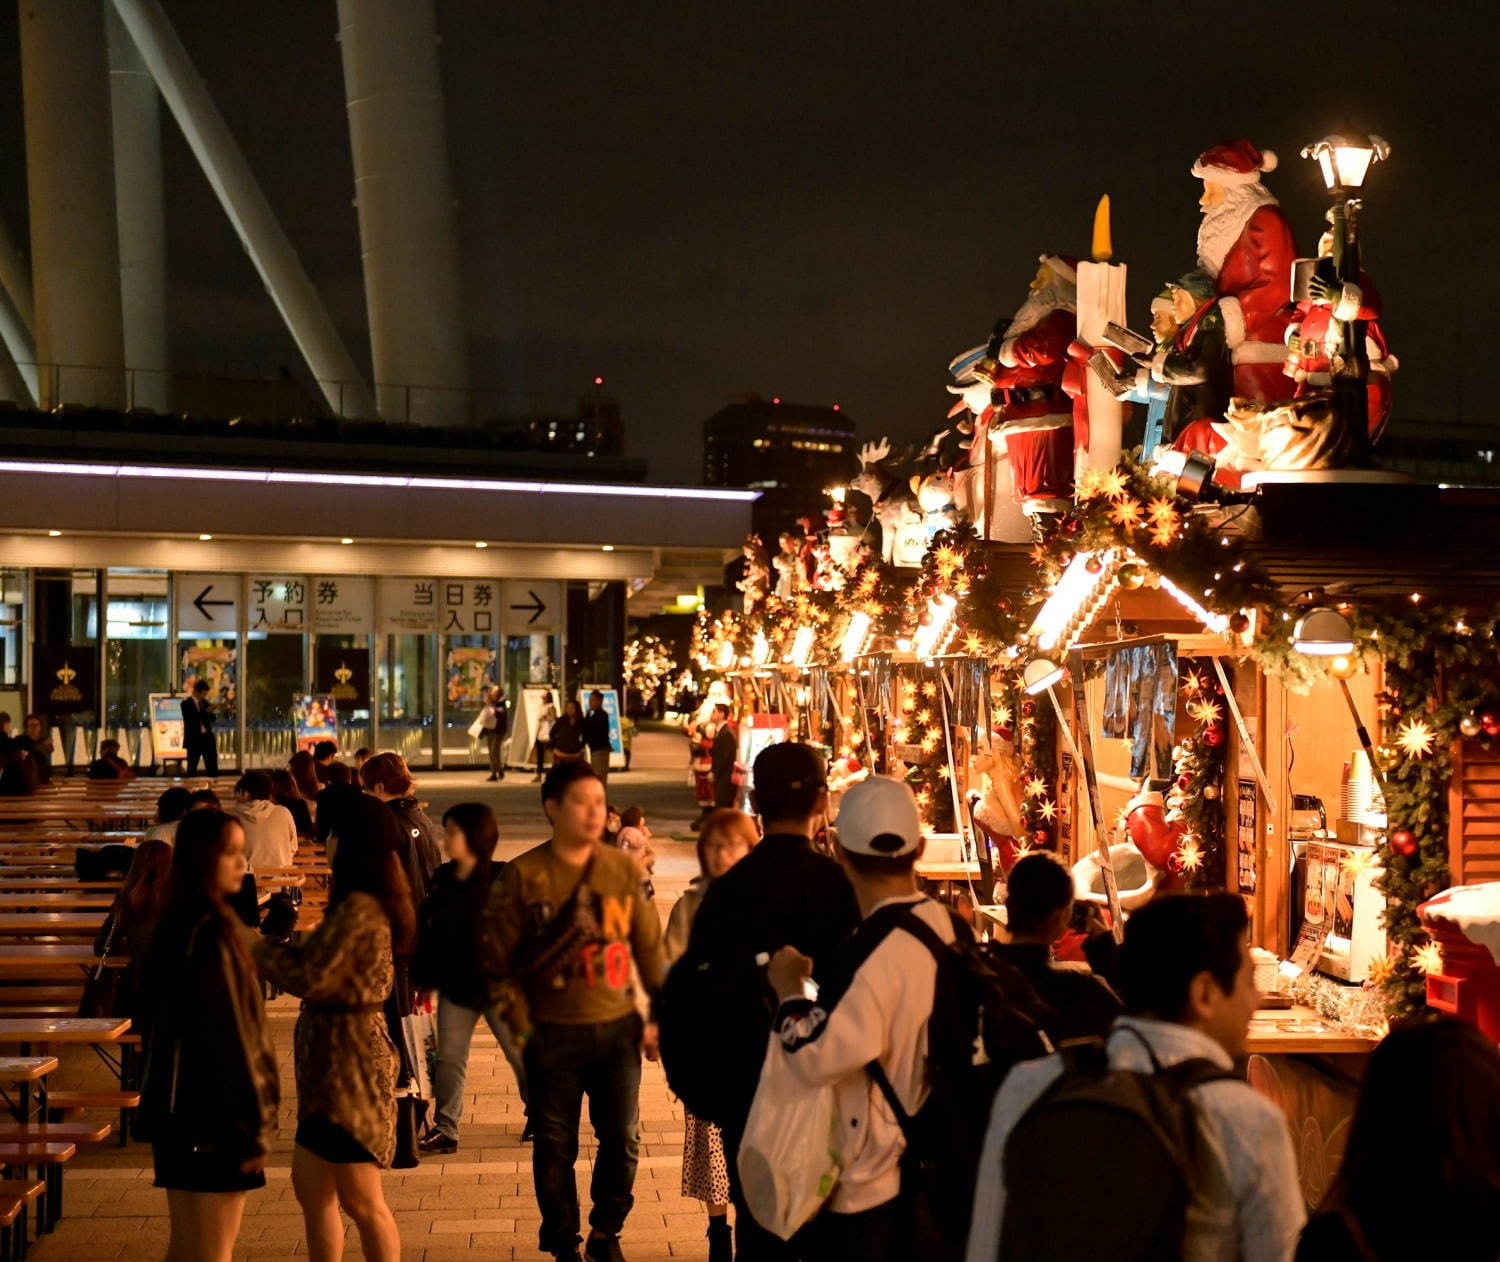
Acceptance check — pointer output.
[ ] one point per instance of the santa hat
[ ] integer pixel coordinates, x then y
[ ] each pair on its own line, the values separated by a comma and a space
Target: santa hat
1065, 265
1234, 162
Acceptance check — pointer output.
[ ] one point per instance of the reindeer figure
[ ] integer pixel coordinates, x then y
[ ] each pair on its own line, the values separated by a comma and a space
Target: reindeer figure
895, 505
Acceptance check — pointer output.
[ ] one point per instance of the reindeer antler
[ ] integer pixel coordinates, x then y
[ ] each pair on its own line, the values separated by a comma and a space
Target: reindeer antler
874, 453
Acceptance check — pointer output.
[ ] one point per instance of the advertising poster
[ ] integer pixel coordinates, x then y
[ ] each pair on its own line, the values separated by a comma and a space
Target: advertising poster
216, 664
470, 672
314, 718
611, 708
344, 674
166, 726
65, 679
1246, 833
757, 731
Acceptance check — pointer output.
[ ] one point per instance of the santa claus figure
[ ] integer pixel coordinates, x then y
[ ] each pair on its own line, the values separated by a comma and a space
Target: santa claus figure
1024, 365
1245, 247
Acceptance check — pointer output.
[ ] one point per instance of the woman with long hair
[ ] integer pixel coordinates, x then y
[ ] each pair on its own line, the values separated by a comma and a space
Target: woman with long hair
390, 780
447, 963
567, 734
346, 1060
210, 1087
304, 771
1430, 1104
134, 916
284, 792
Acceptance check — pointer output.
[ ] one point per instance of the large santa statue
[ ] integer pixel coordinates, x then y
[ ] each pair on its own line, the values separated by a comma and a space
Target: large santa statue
1245, 246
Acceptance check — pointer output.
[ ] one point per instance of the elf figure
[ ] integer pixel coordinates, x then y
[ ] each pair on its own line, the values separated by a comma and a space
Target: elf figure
1245, 247
787, 563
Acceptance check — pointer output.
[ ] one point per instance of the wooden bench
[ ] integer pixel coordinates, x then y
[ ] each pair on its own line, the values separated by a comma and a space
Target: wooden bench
49, 1158
67, 1105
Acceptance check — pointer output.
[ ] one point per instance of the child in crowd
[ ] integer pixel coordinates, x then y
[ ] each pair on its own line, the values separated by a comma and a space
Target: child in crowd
635, 840
725, 837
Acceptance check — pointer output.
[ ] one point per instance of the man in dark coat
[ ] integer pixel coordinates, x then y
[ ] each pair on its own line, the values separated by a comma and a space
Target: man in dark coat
198, 731
726, 752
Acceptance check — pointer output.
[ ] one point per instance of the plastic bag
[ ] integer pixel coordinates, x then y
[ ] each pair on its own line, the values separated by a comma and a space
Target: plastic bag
789, 1159
477, 728
420, 1031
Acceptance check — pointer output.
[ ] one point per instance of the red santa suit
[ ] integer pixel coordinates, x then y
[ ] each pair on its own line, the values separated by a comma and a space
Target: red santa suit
1246, 246
1308, 337
1034, 417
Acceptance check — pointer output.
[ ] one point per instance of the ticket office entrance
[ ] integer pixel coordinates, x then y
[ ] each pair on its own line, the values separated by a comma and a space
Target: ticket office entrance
407, 660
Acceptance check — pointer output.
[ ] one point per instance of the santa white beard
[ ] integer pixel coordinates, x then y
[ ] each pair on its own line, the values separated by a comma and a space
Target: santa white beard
1222, 224
1041, 303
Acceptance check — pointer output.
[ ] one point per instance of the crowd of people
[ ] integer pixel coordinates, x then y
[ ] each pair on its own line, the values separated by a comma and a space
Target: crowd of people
802, 962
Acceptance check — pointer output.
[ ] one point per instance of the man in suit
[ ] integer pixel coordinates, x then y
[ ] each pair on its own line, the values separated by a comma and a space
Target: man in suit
726, 751
596, 735
198, 731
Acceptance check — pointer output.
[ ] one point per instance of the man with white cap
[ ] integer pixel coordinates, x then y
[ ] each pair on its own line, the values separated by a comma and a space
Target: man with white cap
880, 1013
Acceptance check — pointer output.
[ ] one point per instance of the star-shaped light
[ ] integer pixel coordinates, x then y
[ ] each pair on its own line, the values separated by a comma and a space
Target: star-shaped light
1162, 535
1036, 787
924, 717
1126, 513
1087, 484
1162, 511
929, 689
924, 798
1355, 862
1039, 557
1128, 745
1192, 683
1382, 969
1002, 715
1048, 809
898, 733
865, 588
1024, 848
1416, 738
1205, 712
930, 743
943, 772
1190, 854
948, 559
973, 645
1427, 958
1113, 483
961, 585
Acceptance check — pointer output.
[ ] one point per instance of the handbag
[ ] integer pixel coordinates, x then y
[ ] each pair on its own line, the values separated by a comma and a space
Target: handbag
477, 727
104, 987
411, 1123
420, 1033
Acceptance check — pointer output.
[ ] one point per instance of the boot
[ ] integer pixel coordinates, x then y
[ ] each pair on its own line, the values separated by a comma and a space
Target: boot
720, 1239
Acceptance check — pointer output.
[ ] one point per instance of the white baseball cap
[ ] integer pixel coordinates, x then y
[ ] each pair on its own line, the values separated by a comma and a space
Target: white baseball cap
879, 817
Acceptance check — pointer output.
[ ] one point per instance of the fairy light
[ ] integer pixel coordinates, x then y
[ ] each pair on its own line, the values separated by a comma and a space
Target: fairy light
856, 637
1215, 622
802, 646
760, 650
930, 636
1078, 594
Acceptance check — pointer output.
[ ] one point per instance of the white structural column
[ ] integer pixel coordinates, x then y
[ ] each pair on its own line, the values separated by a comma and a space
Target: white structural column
235, 185
71, 193
404, 195
136, 120
18, 366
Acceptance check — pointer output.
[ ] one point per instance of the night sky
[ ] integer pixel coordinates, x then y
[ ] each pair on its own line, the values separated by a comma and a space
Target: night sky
827, 201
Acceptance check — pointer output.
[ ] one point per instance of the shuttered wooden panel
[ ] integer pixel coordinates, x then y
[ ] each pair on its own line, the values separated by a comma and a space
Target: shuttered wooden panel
1474, 822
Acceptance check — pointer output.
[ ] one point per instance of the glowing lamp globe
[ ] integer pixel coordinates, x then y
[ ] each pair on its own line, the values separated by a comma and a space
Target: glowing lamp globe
1345, 158
1039, 675
1323, 632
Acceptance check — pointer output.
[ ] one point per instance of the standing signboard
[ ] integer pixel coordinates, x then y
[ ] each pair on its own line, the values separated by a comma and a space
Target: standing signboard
314, 719
166, 726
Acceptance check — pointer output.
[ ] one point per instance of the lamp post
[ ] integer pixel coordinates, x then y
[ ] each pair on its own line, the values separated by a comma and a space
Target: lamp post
1345, 158
1324, 632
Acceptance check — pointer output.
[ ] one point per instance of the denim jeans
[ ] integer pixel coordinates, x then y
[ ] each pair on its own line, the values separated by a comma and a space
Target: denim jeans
563, 1062
455, 1031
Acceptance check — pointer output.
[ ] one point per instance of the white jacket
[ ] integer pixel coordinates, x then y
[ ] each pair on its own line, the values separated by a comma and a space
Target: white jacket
882, 1016
270, 833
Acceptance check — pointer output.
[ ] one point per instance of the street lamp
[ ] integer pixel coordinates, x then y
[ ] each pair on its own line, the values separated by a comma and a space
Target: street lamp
1040, 675
1344, 159
1323, 632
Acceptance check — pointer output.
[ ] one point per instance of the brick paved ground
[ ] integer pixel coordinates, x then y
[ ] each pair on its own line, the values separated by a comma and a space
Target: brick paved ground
477, 1203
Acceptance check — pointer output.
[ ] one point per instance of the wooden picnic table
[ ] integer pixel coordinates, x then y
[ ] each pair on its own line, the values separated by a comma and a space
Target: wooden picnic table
101, 901
71, 1030
37, 959
15, 882
32, 924
27, 1074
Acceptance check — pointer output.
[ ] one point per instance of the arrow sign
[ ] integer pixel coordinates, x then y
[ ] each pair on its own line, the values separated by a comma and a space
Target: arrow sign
202, 602
536, 605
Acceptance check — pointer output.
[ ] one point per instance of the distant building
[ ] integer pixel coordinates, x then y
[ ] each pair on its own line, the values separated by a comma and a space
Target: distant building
1437, 451
789, 452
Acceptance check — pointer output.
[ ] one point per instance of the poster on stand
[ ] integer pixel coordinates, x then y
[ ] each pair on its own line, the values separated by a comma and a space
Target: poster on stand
166, 726
470, 672
611, 708
314, 718
757, 731
214, 663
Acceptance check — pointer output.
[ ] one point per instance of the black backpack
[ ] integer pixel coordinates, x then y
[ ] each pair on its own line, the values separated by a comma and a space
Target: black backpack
986, 1018
1131, 1139
713, 1014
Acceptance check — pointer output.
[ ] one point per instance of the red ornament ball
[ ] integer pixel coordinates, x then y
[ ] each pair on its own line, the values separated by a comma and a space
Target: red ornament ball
1213, 736
1093, 565
1041, 836
1065, 556
1028, 708
1072, 526
1239, 623
1404, 842
1489, 720
1184, 780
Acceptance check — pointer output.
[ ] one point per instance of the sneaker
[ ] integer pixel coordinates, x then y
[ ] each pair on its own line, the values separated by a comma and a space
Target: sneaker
602, 1248
436, 1142
528, 1133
